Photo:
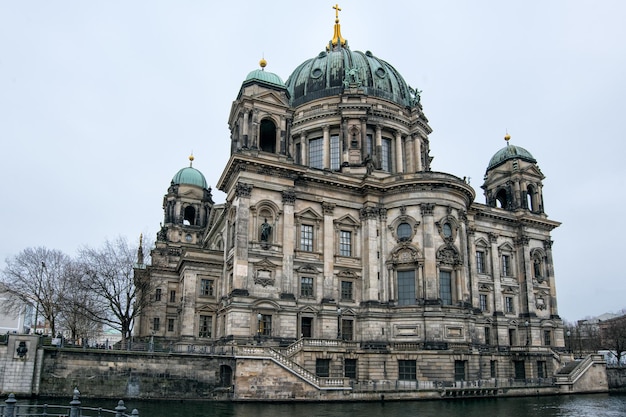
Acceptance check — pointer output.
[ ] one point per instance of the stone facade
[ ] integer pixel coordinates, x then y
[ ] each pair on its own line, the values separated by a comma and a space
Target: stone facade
339, 247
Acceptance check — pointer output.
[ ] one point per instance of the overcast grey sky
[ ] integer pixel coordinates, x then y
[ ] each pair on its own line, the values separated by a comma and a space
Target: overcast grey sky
101, 103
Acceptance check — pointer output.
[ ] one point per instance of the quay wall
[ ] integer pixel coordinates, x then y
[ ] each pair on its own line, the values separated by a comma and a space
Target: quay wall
140, 375
616, 378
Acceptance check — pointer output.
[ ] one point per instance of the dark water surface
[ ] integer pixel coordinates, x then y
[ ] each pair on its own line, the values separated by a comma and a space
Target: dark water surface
597, 405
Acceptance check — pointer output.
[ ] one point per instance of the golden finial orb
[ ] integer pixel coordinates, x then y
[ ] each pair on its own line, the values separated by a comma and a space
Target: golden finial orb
263, 63
507, 137
191, 158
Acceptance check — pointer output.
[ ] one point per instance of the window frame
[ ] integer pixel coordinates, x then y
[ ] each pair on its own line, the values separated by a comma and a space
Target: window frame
307, 237
345, 243
207, 290
406, 286
445, 283
316, 153
346, 290
205, 330
308, 290
481, 265
407, 370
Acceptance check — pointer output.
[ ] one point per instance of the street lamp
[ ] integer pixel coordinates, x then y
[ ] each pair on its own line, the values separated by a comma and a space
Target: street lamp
527, 333
338, 322
259, 318
569, 341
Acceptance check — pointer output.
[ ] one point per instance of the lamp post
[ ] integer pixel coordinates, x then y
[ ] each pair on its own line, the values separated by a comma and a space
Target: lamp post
338, 322
526, 323
569, 341
259, 318
43, 268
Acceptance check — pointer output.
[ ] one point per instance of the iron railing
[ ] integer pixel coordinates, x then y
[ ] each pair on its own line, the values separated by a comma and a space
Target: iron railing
11, 408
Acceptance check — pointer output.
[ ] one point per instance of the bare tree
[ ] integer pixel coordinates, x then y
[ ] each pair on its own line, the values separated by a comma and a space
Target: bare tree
111, 282
75, 307
613, 333
39, 277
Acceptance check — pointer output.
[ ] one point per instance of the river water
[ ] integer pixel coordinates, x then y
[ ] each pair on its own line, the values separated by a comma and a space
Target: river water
596, 405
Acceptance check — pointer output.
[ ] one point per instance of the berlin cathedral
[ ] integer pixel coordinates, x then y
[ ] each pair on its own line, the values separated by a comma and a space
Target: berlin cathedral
340, 253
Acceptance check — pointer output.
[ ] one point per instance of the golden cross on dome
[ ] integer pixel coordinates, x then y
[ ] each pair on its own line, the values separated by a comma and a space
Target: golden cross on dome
337, 10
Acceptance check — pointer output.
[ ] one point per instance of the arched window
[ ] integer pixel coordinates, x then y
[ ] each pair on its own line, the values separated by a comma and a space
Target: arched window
530, 198
267, 136
502, 200
404, 232
189, 217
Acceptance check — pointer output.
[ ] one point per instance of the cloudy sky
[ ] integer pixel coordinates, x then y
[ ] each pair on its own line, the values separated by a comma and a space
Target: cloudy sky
101, 103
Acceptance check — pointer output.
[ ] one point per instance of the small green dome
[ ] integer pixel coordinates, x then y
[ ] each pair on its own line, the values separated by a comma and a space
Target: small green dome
264, 77
190, 176
510, 152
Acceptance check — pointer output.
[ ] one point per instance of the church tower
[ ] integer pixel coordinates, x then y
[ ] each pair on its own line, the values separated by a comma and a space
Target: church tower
513, 180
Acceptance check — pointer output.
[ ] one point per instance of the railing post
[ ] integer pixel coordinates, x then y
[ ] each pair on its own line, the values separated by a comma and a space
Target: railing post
75, 404
135, 412
119, 410
9, 410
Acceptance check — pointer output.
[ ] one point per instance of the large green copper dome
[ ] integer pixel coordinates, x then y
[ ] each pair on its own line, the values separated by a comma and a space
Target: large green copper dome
326, 74
190, 176
510, 152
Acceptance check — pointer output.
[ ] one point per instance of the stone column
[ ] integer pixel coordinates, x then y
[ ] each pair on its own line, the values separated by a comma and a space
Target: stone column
378, 148
288, 241
326, 146
331, 286
369, 218
363, 137
473, 269
245, 128
527, 281
498, 306
547, 245
399, 153
304, 145
410, 153
465, 271
430, 259
418, 153
240, 260
384, 286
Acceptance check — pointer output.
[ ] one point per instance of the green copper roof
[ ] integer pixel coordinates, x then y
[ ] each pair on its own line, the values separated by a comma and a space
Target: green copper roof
190, 176
331, 71
510, 152
265, 77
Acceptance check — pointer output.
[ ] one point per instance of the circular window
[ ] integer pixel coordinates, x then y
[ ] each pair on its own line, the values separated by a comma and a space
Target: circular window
381, 73
447, 230
316, 73
404, 231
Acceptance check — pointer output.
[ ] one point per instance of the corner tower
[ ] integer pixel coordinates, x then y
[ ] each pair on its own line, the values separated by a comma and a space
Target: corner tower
513, 180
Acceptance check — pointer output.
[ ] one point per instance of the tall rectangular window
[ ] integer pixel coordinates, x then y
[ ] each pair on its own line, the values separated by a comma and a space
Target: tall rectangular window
306, 287
369, 145
156, 324
157, 295
265, 325
493, 369
206, 287
349, 368
480, 262
322, 367
172, 296
459, 370
512, 337
506, 266
347, 329
316, 153
547, 338
487, 336
298, 155
170, 325
483, 302
345, 243
306, 238
385, 158
346, 290
407, 370
508, 305
445, 287
205, 326
406, 287
335, 153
